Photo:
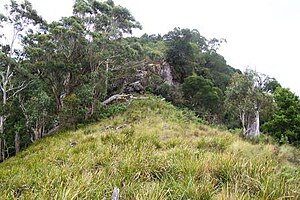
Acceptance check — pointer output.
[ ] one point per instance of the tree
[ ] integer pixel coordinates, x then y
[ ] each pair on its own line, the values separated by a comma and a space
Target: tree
21, 18
183, 47
105, 24
246, 98
38, 110
105, 17
202, 95
80, 52
153, 46
57, 57
68, 64
285, 123
213, 66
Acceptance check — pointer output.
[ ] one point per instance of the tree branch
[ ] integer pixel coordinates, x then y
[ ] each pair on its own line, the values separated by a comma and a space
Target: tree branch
17, 89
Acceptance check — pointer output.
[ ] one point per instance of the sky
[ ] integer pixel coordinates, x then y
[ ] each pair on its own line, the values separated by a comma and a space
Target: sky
261, 34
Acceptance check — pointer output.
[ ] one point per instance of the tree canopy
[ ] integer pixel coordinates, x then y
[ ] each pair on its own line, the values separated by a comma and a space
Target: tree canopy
285, 123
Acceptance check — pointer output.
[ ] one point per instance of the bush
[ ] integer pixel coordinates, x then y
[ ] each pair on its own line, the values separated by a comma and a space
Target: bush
108, 111
73, 112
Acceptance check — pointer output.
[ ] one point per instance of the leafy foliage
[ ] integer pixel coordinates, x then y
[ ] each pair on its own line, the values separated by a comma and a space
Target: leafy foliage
183, 46
201, 94
246, 98
285, 123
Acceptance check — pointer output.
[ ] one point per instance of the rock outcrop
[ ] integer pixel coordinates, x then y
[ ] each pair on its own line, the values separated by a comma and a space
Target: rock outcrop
143, 75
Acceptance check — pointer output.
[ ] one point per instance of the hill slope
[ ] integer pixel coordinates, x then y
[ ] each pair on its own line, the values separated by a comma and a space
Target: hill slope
151, 151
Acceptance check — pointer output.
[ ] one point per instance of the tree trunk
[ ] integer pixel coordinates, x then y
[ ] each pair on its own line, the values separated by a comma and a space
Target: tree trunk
37, 131
2, 153
1, 125
256, 130
17, 143
6, 153
242, 118
106, 79
118, 98
2, 119
253, 125
57, 97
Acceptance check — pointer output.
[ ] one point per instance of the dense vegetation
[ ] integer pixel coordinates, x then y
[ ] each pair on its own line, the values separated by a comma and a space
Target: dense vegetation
55, 75
151, 151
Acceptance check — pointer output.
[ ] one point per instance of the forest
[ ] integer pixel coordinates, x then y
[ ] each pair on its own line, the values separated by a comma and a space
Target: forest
56, 76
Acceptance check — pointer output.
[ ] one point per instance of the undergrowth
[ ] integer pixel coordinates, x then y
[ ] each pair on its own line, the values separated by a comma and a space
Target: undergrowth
151, 151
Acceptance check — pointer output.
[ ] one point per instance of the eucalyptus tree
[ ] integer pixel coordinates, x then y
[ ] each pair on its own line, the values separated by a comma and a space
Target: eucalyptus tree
246, 97
105, 24
56, 57
17, 21
74, 56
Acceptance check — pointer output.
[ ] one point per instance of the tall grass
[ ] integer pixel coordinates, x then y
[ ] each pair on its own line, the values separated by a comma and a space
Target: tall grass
151, 151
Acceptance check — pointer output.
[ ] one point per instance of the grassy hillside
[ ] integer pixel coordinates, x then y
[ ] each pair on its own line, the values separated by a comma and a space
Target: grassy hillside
151, 151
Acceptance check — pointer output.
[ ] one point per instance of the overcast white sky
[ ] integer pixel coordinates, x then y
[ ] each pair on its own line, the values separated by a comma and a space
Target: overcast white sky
261, 34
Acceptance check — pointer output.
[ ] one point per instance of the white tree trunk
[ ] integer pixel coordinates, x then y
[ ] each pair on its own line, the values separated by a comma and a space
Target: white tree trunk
8, 91
242, 118
2, 150
106, 78
256, 131
253, 125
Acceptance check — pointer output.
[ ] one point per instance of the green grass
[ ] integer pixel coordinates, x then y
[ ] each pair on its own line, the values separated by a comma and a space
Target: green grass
151, 151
